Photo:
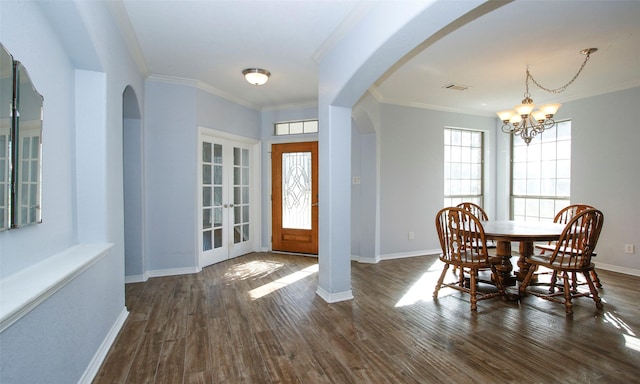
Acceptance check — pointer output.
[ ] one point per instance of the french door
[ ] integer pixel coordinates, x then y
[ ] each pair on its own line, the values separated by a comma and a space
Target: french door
294, 197
225, 216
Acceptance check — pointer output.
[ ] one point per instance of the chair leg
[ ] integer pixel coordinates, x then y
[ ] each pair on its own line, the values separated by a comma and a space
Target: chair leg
567, 293
527, 279
554, 280
594, 291
440, 280
574, 282
596, 279
473, 289
497, 281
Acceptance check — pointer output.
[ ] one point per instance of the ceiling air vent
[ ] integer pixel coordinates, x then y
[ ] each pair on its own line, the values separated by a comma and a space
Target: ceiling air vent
456, 87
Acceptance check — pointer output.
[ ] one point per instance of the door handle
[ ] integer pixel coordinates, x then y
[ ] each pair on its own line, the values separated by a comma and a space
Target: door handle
315, 204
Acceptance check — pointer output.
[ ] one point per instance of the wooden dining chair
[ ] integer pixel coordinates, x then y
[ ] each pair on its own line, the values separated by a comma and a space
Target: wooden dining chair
463, 246
480, 213
475, 209
572, 254
562, 217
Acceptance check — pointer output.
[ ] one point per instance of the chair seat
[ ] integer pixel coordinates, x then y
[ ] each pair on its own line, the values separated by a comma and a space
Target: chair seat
473, 264
545, 261
552, 247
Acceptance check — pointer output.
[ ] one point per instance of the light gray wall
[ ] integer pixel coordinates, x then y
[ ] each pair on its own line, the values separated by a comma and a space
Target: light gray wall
133, 155
170, 175
173, 114
57, 41
223, 115
412, 172
55, 81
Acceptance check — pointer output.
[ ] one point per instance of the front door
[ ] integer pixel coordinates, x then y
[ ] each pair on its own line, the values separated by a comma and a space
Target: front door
294, 197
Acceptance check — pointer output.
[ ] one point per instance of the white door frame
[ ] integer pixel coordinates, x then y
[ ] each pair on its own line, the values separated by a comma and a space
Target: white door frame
255, 190
283, 140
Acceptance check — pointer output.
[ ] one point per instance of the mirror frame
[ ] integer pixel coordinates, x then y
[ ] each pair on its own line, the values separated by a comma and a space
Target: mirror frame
21, 151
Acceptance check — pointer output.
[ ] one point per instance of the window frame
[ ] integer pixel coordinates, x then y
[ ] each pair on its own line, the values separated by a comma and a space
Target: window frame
307, 127
553, 202
475, 198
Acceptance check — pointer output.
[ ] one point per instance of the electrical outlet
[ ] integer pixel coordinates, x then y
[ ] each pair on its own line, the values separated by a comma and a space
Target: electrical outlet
628, 248
412, 236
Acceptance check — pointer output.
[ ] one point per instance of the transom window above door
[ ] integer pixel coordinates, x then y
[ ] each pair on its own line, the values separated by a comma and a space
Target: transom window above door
295, 127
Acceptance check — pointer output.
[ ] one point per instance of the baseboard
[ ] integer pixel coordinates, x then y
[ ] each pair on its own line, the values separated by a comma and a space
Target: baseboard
172, 272
365, 260
334, 297
136, 278
617, 268
101, 353
403, 255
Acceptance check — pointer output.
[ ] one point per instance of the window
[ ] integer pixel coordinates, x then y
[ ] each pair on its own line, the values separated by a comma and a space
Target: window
296, 127
463, 159
541, 174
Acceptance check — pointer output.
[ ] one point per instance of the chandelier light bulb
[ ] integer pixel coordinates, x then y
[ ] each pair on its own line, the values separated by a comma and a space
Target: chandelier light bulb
550, 109
524, 109
506, 115
539, 116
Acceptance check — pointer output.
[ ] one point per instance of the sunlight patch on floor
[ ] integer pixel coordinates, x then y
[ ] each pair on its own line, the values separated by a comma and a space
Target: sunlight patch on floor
282, 282
422, 290
252, 269
617, 322
631, 341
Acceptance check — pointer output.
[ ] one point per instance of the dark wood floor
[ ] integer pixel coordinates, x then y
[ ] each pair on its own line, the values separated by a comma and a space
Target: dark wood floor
257, 319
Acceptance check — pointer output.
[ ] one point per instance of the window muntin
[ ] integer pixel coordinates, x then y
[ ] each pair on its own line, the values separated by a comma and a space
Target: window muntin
541, 174
463, 166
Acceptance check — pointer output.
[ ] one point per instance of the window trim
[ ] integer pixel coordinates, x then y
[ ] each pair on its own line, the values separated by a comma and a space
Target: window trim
483, 139
513, 196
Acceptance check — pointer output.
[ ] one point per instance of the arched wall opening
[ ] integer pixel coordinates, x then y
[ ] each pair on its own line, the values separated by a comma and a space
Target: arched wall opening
133, 187
385, 36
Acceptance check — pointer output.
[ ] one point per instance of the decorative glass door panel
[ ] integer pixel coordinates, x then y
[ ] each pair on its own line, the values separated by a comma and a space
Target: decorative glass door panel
296, 190
295, 197
224, 200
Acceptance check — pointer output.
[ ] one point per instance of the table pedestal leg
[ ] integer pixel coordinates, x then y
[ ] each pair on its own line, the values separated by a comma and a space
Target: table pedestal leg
526, 250
503, 250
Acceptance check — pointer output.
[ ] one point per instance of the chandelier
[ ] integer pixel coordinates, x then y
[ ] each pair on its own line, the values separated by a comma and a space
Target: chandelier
527, 123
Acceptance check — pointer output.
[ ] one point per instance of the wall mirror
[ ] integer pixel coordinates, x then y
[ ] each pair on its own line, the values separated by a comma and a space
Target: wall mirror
20, 145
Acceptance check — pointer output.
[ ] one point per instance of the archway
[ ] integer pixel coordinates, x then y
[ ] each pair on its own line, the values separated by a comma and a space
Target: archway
133, 187
345, 72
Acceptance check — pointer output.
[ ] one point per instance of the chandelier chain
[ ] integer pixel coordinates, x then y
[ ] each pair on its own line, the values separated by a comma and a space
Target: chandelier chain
564, 87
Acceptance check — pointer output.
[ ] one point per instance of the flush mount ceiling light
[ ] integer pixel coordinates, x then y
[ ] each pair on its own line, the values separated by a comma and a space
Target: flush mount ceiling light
527, 123
256, 76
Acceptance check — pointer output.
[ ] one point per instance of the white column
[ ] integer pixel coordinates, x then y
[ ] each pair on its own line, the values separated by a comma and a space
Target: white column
334, 257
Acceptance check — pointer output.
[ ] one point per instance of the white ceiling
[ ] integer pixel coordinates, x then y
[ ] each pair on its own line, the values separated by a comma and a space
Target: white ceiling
209, 43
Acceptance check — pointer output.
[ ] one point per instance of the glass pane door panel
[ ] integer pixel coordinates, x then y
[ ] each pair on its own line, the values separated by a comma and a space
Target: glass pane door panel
296, 190
240, 194
206, 241
211, 195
